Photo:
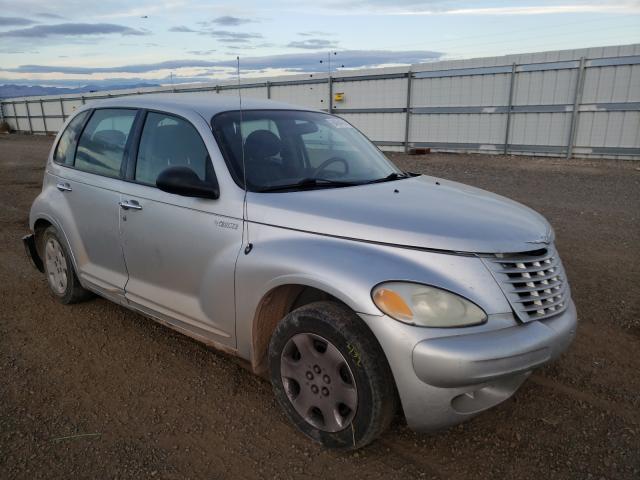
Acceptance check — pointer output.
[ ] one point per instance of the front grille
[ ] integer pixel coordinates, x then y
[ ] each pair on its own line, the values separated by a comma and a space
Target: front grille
534, 282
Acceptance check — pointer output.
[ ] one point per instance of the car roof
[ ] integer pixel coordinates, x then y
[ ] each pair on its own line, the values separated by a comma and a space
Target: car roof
206, 104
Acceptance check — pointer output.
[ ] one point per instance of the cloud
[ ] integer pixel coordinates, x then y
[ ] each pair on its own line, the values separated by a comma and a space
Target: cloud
182, 29
228, 36
293, 62
10, 51
71, 30
225, 36
314, 33
461, 7
544, 10
303, 62
313, 44
229, 21
49, 15
200, 52
10, 21
136, 68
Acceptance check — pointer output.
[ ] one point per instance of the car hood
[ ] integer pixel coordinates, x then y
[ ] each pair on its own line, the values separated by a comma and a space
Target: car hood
418, 212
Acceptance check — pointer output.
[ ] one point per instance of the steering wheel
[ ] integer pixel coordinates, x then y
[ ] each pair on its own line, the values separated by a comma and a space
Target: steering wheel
331, 161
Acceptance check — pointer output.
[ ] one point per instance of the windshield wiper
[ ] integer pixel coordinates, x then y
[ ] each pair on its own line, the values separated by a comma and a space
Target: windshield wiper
390, 177
309, 183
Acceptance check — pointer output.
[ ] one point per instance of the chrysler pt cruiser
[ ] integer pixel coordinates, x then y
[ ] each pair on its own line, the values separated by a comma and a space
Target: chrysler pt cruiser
283, 236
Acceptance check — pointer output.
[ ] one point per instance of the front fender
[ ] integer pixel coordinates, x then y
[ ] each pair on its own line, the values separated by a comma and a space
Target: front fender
348, 270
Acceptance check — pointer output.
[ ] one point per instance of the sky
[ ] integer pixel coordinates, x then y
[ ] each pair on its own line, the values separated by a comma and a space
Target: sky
79, 42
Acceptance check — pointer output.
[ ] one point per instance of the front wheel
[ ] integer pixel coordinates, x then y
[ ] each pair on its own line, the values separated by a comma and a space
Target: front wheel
331, 377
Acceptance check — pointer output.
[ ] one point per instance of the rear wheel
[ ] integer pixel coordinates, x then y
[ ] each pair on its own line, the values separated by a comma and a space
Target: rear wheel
331, 377
61, 277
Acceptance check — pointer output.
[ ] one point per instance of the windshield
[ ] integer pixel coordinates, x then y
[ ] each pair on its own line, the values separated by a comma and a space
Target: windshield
289, 149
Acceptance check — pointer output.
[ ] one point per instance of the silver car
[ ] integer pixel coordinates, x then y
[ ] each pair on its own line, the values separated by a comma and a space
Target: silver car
283, 236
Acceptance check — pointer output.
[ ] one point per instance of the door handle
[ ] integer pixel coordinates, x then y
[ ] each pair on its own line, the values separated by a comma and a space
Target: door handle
63, 187
130, 204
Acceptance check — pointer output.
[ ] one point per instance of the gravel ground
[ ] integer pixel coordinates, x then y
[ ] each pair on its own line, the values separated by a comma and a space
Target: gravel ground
96, 391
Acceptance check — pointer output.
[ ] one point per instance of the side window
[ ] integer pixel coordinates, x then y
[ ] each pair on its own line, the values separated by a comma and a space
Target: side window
168, 141
101, 146
67, 143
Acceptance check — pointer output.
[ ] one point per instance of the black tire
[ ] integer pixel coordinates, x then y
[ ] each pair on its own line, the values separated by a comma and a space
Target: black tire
72, 292
377, 400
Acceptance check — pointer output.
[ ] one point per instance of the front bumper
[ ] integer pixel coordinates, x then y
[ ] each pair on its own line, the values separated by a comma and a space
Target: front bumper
444, 380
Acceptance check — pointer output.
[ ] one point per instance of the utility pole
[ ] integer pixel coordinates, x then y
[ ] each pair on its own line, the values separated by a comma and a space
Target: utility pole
329, 82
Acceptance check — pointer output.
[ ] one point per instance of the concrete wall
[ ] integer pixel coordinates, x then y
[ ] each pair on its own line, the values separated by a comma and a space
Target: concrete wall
574, 102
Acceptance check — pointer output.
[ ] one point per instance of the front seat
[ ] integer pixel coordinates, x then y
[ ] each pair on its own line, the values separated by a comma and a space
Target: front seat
260, 148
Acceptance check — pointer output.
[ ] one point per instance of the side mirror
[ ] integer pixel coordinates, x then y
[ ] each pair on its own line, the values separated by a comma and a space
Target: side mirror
184, 181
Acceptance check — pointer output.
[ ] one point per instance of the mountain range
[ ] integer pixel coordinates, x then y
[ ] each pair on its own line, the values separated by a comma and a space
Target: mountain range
10, 90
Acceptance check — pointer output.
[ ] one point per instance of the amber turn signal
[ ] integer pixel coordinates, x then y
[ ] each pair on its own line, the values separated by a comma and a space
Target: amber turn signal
392, 304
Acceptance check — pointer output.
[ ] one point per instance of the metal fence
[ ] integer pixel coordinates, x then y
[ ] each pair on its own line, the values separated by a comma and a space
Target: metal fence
564, 103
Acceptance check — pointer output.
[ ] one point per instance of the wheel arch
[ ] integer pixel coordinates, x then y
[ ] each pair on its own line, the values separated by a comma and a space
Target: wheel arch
274, 305
39, 223
39, 226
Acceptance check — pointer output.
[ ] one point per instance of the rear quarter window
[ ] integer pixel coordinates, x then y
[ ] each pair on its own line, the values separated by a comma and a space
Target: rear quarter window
66, 147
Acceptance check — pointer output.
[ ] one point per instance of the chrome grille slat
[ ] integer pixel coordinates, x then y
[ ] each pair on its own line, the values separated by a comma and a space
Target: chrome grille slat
530, 267
544, 304
534, 278
536, 288
531, 298
533, 282
523, 258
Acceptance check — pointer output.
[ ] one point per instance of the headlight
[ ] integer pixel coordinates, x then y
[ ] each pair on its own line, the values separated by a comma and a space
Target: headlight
426, 306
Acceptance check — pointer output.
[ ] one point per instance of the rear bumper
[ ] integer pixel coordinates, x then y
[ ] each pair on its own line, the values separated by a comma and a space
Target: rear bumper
29, 242
444, 380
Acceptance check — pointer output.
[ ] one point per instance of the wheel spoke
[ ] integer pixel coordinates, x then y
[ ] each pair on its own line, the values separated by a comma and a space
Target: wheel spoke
333, 359
303, 402
333, 421
305, 346
346, 395
289, 368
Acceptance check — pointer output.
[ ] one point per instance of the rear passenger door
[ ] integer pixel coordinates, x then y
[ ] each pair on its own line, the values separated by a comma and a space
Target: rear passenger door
88, 172
180, 251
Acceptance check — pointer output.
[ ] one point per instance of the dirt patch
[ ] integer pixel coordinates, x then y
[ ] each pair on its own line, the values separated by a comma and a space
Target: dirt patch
96, 391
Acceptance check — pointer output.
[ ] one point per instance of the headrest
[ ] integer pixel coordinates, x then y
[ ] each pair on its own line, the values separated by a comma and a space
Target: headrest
110, 137
168, 140
261, 144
